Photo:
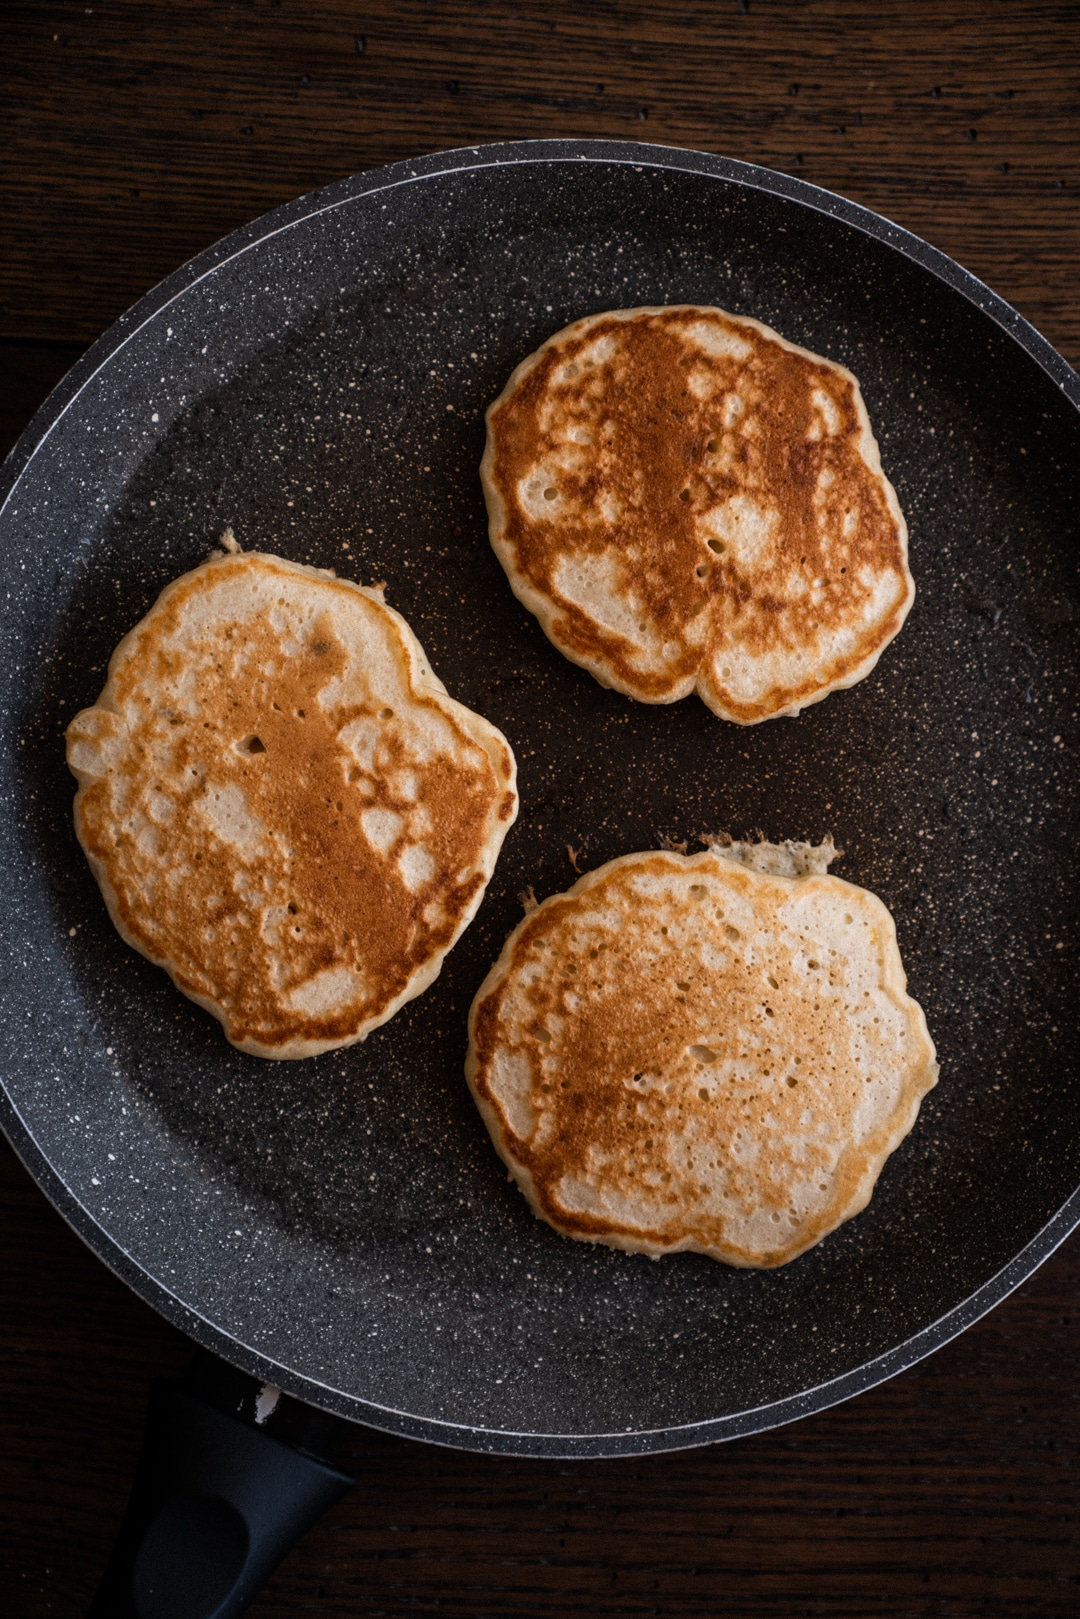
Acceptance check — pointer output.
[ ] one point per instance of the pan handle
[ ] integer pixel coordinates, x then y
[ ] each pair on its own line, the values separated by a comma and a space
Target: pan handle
232, 1473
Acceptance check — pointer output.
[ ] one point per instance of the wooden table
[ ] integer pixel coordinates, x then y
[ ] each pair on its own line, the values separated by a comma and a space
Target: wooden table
137, 134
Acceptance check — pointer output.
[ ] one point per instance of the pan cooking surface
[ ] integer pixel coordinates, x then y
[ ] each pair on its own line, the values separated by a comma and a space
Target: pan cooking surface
342, 1225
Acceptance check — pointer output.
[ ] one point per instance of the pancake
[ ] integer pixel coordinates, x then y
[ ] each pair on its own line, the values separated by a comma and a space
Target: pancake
283, 807
688, 502
701, 1052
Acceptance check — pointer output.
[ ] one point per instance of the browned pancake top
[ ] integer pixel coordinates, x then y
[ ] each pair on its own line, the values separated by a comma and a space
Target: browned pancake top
720, 486
683, 1053
259, 800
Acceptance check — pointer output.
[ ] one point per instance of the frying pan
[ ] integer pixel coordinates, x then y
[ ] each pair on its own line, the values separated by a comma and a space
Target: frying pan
340, 1229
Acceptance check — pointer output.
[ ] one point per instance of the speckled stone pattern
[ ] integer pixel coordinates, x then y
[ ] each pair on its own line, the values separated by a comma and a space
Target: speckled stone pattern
342, 1225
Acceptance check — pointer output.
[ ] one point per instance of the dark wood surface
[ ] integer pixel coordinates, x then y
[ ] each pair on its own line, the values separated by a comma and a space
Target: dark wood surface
136, 134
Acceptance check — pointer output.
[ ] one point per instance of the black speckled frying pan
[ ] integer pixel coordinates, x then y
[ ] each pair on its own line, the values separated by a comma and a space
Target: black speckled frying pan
341, 1227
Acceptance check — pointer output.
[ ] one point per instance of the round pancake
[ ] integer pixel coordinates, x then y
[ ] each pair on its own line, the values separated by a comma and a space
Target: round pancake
687, 502
687, 1053
281, 804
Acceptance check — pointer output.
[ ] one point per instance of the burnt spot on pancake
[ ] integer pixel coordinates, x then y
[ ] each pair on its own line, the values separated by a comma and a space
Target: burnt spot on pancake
278, 810
687, 501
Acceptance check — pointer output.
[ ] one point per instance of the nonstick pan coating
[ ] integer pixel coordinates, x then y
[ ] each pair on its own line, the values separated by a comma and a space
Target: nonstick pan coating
342, 1226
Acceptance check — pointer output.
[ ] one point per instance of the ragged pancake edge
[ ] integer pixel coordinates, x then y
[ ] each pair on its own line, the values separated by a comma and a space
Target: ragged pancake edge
422, 683
853, 1188
549, 611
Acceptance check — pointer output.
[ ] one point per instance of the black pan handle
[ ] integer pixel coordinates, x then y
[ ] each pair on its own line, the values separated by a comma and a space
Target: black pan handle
232, 1473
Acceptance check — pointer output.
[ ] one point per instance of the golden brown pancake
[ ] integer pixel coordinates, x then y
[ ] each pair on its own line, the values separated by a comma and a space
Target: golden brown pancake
688, 502
281, 804
701, 1053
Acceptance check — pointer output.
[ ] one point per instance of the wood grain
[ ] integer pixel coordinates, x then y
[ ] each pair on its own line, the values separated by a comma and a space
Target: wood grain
135, 135
138, 135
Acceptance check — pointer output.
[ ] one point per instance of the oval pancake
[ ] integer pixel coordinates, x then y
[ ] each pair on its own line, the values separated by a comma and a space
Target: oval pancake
683, 1052
687, 501
283, 807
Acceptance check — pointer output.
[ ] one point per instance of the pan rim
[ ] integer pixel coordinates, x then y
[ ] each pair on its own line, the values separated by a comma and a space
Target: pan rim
152, 305
439, 165
504, 1441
